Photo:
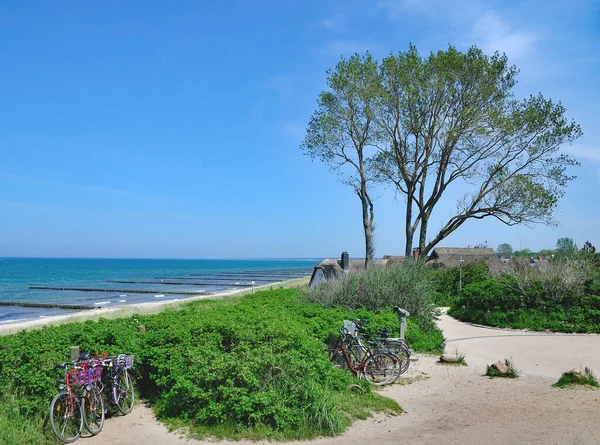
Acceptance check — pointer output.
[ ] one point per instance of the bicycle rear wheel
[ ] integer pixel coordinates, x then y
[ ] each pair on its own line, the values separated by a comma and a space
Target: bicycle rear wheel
123, 392
401, 350
93, 410
381, 368
66, 420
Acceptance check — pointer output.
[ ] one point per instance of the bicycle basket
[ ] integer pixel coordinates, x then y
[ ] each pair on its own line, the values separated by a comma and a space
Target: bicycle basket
350, 327
95, 374
124, 361
77, 377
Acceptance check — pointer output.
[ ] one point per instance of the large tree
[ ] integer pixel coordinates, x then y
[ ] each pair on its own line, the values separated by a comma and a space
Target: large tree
451, 118
341, 131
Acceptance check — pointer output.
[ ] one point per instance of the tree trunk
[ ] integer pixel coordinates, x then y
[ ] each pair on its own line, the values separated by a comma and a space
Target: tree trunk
409, 231
423, 237
368, 221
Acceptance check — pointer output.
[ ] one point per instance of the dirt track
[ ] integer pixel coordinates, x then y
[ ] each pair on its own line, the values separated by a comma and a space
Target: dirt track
457, 405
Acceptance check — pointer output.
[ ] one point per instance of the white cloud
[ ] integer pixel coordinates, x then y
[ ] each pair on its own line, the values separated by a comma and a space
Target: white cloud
492, 33
580, 152
585, 154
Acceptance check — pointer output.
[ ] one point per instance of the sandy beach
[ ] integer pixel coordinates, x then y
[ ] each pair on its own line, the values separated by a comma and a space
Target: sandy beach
138, 308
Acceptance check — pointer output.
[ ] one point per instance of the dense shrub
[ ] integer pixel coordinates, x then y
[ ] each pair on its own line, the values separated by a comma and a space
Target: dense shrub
446, 282
557, 296
248, 367
406, 285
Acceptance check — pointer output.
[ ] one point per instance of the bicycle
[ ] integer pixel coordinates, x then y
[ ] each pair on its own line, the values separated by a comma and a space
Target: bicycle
120, 382
393, 345
378, 367
71, 409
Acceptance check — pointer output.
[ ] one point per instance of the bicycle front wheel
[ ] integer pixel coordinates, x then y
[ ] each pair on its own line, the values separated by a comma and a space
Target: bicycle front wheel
381, 368
93, 410
123, 392
66, 420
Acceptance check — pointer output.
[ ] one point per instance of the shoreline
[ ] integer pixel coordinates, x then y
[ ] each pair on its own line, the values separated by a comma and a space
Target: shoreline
126, 310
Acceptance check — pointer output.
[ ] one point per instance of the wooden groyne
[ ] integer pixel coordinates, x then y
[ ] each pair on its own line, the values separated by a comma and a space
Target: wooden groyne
253, 274
47, 305
177, 283
122, 291
270, 280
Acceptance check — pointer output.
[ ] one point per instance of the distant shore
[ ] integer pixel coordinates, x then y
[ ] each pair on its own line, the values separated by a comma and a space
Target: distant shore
127, 310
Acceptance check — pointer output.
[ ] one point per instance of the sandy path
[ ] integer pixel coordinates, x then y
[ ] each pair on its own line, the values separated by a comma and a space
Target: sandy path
456, 405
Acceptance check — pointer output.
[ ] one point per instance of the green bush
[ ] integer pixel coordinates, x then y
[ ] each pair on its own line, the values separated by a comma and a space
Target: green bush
253, 367
406, 285
446, 282
534, 298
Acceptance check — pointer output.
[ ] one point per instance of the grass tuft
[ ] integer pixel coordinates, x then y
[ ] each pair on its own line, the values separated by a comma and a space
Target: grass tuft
512, 373
460, 360
587, 379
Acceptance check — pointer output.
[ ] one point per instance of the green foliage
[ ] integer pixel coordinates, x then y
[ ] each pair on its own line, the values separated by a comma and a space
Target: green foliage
406, 285
504, 250
587, 379
562, 296
512, 372
380, 288
248, 367
446, 282
566, 246
17, 428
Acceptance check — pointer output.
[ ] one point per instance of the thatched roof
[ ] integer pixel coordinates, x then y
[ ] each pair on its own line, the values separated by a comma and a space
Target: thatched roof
447, 257
332, 268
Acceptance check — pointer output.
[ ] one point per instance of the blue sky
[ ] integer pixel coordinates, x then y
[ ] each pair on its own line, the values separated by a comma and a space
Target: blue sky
155, 129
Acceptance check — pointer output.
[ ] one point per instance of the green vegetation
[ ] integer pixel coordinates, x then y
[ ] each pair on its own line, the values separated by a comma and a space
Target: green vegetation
407, 285
561, 295
587, 379
251, 367
17, 427
446, 284
512, 373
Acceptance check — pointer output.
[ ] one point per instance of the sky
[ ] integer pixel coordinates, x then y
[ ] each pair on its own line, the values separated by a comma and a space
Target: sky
172, 129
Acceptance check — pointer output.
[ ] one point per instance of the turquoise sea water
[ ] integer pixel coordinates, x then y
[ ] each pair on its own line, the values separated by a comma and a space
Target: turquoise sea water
17, 275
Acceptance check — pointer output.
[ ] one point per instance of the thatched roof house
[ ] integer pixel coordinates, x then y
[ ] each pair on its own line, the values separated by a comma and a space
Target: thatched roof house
333, 268
447, 257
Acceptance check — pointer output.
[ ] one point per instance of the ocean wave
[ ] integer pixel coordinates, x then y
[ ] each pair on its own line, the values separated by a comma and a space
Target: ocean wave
101, 302
13, 320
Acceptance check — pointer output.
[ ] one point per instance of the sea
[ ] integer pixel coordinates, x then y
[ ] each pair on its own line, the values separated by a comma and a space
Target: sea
111, 283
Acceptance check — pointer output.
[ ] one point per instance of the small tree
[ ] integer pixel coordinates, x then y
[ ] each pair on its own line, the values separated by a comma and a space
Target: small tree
341, 130
566, 246
588, 248
504, 250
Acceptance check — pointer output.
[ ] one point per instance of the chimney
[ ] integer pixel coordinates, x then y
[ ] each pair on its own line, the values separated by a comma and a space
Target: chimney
416, 251
345, 261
